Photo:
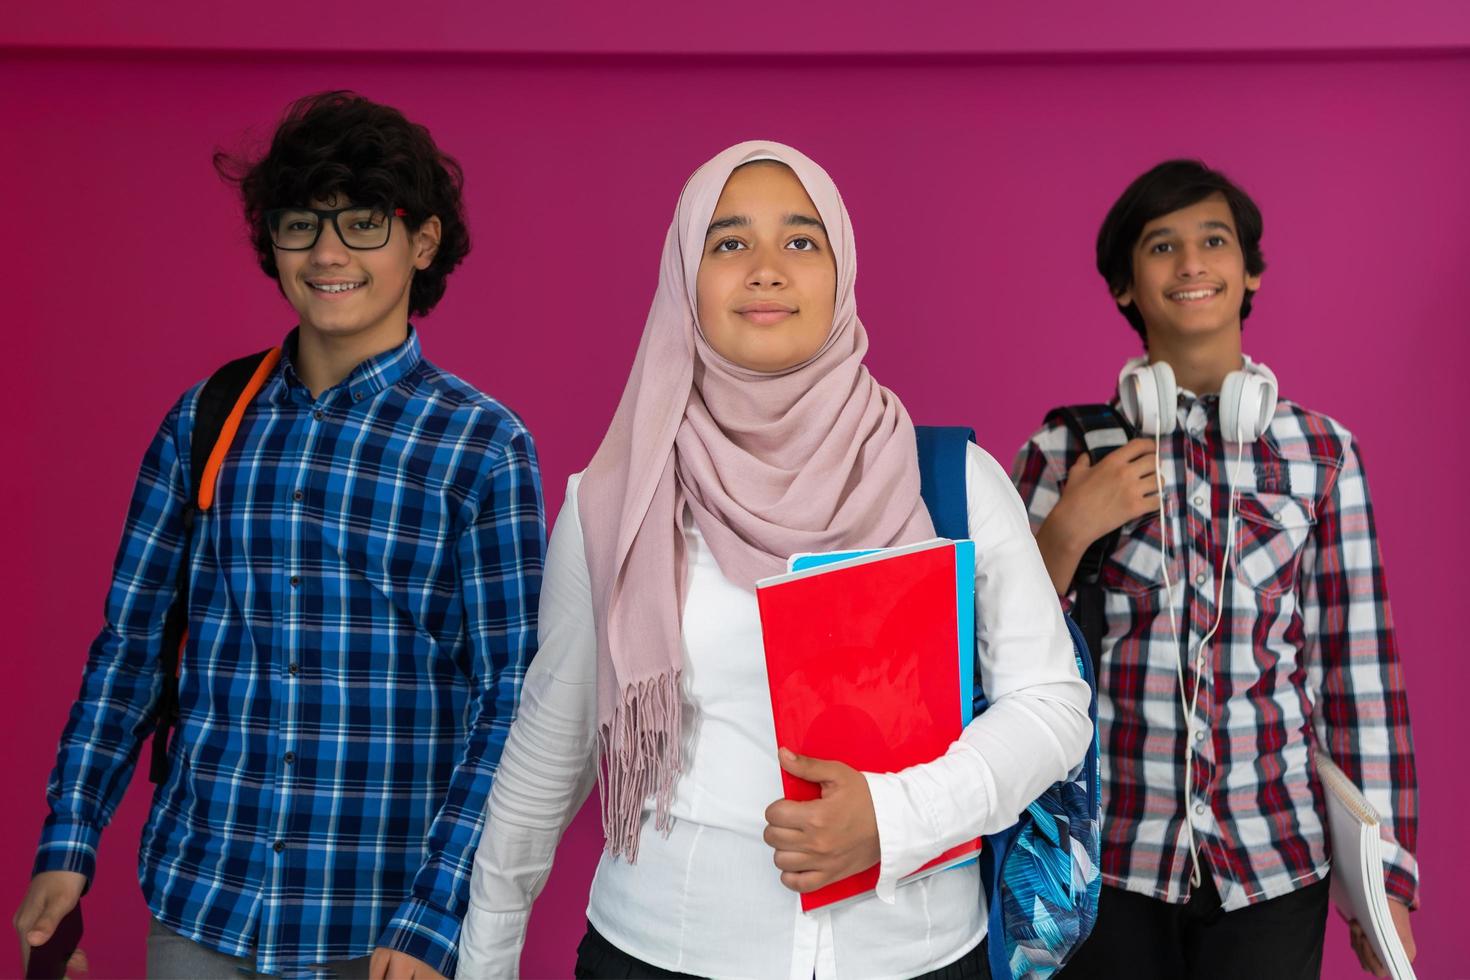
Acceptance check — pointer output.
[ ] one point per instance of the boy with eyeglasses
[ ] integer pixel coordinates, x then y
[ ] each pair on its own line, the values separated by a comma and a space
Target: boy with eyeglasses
361, 601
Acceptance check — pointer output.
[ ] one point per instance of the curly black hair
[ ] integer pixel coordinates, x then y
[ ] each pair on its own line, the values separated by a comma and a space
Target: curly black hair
1172, 185
339, 143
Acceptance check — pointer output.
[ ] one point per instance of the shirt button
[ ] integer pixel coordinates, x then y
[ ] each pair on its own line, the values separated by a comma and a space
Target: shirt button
1199, 501
1199, 734
1277, 517
295, 580
318, 415
1199, 579
293, 669
290, 757
297, 495
357, 396
278, 846
1199, 808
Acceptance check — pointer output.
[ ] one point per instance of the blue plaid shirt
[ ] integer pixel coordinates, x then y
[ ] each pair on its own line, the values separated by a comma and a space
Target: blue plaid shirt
362, 611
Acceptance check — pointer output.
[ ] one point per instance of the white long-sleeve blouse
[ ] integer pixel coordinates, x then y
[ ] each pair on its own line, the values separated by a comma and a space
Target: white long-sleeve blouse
707, 899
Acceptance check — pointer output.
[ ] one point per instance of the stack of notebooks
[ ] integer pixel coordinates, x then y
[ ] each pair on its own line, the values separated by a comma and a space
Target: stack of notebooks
871, 658
1357, 866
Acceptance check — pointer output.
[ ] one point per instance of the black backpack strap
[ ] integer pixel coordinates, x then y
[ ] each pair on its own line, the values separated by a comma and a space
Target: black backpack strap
221, 402
1099, 429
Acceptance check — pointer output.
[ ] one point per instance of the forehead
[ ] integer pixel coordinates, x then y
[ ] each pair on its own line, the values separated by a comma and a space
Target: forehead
1211, 212
761, 189
332, 199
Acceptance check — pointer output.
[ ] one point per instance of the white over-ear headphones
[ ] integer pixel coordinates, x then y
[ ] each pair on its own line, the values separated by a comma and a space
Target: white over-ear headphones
1149, 398
1247, 403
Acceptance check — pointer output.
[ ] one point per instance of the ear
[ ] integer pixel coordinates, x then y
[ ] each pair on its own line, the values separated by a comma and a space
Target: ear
426, 242
1125, 298
1253, 283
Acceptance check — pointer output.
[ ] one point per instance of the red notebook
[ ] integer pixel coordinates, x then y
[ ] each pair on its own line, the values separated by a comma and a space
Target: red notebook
862, 666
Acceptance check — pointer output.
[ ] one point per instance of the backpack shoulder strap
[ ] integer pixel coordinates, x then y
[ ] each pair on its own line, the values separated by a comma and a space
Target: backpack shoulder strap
1100, 429
942, 484
217, 413
221, 405
942, 451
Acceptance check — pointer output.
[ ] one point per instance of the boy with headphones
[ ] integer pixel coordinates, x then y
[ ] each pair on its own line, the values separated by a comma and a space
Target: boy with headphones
1244, 618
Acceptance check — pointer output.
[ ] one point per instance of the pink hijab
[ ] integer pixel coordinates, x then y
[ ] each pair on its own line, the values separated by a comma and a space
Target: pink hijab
819, 457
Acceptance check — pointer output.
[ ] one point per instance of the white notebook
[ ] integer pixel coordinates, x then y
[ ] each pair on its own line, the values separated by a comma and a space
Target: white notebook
1357, 866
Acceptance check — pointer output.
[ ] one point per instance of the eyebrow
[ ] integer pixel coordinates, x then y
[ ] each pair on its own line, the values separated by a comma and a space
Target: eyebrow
742, 221
804, 220
734, 221
1162, 232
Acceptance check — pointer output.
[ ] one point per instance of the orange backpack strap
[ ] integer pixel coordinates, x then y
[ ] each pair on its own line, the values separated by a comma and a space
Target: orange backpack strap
219, 442
217, 413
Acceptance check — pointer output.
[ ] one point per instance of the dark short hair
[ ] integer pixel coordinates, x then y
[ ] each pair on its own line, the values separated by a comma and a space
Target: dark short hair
1172, 185
339, 143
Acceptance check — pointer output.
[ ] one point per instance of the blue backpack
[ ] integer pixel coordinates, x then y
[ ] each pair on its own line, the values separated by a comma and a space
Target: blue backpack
1041, 875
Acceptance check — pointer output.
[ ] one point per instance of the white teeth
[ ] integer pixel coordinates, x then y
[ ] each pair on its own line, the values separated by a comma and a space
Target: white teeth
336, 287
1193, 294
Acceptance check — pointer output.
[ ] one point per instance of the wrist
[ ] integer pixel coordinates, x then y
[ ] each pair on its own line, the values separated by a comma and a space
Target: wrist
1064, 534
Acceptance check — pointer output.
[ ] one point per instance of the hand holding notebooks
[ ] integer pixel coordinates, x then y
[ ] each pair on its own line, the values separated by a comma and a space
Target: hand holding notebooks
1357, 866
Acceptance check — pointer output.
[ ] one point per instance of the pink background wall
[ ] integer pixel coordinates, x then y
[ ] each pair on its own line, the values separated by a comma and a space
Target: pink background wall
977, 151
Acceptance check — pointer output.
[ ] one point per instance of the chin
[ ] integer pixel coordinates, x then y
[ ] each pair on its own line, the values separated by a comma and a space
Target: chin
334, 329
1199, 324
771, 365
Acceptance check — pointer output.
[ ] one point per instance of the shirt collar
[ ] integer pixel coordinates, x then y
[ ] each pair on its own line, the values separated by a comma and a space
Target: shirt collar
367, 379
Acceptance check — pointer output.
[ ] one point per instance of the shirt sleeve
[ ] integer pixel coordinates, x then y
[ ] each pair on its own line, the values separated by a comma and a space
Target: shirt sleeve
1039, 473
500, 556
115, 709
549, 764
1361, 715
1036, 729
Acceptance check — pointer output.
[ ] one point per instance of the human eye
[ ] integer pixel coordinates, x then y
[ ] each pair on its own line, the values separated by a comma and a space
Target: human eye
729, 245
1161, 248
1216, 241
365, 220
802, 244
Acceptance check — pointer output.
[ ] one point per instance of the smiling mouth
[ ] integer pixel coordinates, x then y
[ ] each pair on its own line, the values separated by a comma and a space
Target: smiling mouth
1193, 295
335, 287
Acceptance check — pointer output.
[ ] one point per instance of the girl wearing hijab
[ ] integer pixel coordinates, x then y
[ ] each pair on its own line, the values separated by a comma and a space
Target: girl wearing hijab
750, 430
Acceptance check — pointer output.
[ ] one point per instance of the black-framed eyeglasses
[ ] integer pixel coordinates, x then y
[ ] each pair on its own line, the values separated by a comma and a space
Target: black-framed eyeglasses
297, 229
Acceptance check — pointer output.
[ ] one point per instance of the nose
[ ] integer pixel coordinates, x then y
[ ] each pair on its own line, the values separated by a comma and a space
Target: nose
1191, 261
328, 249
766, 270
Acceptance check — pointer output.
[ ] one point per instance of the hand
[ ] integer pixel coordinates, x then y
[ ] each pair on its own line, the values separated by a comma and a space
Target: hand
1096, 500
1099, 498
51, 895
821, 841
1369, 959
390, 964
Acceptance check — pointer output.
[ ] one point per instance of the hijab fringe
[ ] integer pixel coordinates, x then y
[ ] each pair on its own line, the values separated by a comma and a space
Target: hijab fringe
641, 755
